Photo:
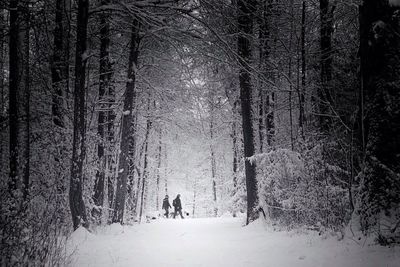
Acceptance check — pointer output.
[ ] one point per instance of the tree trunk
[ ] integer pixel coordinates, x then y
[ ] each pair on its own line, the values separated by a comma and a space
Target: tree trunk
104, 84
325, 92
165, 169
194, 196
77, 206
302, 119
126, 129
213, 164
261, 127
14, 89
2, 93
290, 74
235, 149
145, 162
158, 174
269, 98
60, 64
379, 113
132, 193
266, 93
110, 157
245, 23
27, 97
270, 125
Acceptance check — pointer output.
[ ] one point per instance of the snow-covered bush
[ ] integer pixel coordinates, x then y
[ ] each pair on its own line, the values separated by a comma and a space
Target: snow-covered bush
378, 202
33, 227
298, 189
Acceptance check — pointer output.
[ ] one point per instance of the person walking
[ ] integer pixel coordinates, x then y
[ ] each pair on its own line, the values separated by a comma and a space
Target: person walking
166, 206
177, 206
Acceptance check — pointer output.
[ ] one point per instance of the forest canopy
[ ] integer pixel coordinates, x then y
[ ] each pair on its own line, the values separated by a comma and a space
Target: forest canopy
285, 110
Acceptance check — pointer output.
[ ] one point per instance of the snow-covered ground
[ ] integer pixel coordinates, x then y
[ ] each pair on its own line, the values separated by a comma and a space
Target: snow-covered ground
219, 242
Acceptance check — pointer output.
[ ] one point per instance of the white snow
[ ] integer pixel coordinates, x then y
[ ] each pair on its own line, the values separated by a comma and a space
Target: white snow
219, 242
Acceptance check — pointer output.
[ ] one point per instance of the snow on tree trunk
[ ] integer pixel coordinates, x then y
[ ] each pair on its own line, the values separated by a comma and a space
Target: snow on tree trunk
325, 90
26, 99
60, 64
104, 84
145, 163
380, 115
158, 171
77, 205
245, 23
123, 168
14, 89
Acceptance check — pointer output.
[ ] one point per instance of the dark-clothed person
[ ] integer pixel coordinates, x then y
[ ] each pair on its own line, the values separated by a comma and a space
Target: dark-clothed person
166, 206
177, 206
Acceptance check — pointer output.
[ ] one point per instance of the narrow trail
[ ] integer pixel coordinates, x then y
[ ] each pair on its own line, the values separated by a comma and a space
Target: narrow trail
217, 242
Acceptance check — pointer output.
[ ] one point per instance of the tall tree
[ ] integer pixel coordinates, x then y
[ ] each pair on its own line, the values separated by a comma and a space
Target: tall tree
245, 13
159, 161
235, 145
302, 118
77, 205
104, 84
27, 97
14, 89
212, 153
380, 113
145, 172
60, 61
129, 99
325, 91
266, 94
2, 93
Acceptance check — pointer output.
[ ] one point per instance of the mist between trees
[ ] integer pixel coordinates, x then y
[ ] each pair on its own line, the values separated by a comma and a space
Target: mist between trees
287, 110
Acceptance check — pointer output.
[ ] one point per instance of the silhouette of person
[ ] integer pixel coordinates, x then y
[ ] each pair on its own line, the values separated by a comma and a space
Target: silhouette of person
177, 206
166, 206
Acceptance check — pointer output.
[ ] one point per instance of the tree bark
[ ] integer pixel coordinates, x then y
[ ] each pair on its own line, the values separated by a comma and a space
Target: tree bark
261, 117
111, 140
290, 75
379, 112
235, 149
3, 116
129, 99
60, 64
246, 10
302, 119
27, 97
145, 162
14, 89
132, 191
325, 92
77, 206
165, 169
266, 94
213, 163
270, 125
104, 84
158, 174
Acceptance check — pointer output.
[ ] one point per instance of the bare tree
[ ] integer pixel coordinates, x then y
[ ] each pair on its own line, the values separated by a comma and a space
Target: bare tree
104, 84
77, 206
60, 61
126, 125
14, 89
325, 90
246, 9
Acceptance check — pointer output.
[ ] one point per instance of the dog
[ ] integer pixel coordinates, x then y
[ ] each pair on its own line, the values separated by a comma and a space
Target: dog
171, 214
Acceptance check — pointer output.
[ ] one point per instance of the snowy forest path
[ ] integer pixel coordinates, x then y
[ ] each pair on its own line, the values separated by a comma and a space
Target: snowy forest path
213, 242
